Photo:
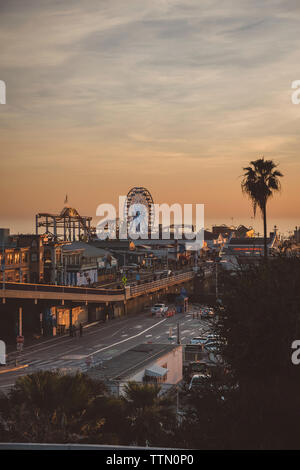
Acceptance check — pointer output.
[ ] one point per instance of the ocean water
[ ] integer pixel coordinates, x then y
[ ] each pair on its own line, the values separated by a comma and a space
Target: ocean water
285, 226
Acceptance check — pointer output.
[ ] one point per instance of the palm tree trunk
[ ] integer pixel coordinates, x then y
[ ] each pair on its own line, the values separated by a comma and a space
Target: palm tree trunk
265, 232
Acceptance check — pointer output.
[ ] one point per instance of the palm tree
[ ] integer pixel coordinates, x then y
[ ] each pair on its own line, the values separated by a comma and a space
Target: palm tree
49, 406
260, 181
152, 416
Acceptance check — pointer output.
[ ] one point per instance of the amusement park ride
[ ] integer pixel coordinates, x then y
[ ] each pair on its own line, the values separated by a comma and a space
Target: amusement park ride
66, 226
69, 225
138, 197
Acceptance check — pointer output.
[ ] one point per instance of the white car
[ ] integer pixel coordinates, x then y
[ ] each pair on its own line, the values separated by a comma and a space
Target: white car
198, 380
159, 309
198, 340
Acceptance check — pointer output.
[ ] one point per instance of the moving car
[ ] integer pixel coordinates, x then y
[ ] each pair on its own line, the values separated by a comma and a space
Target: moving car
160, 309
206, 312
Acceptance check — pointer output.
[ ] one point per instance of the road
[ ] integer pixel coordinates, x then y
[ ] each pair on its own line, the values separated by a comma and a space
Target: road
101, 342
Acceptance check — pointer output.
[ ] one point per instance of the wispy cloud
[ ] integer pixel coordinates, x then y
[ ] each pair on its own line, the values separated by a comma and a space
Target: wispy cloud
108, 82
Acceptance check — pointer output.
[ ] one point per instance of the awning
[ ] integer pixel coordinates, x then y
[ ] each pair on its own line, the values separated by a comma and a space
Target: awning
156, 371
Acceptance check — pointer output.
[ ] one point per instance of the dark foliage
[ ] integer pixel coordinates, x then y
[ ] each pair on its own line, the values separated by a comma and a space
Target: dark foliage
260, 408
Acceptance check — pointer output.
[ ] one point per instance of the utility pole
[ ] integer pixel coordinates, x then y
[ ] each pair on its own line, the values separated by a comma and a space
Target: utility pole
178, 334
20, 321
19, 336
177, 400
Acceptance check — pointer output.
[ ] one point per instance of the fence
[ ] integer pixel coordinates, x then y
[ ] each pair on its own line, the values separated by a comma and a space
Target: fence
161, 283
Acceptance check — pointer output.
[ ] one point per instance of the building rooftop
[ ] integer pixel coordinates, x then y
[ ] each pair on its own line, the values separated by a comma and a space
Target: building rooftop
250, 241
209, 235
131, 361
89, 250
111, 244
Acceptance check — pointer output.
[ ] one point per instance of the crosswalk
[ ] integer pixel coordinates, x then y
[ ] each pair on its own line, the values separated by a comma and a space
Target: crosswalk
75, 356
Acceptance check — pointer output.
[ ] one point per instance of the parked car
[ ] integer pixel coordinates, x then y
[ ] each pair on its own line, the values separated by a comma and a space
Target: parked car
159, 309
198, 340
212, 337
213, 345
198, 380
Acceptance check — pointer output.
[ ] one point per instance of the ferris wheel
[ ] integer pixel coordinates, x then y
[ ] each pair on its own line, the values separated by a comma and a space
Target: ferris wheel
139, 196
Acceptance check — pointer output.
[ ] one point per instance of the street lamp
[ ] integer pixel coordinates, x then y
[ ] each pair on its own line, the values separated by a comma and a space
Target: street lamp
217, 260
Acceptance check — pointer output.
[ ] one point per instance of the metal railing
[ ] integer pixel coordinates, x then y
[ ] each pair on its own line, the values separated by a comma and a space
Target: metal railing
60, 288
161, 283
131, 290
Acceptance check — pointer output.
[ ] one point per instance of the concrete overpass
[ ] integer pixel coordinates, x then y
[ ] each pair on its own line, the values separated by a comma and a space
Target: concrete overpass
19, 291
11, 290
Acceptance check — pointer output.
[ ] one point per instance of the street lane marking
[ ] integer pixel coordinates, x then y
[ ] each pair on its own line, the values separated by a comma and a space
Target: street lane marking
13, 369
8, 385
127, 339
56, 339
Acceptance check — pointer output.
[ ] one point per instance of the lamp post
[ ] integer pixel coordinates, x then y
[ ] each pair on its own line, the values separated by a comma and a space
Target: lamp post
217, 260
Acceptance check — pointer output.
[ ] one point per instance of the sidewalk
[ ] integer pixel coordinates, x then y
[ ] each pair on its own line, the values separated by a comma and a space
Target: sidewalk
31, 342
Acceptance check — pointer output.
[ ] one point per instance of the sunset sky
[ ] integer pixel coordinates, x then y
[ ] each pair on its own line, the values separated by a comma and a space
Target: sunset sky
174, 95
